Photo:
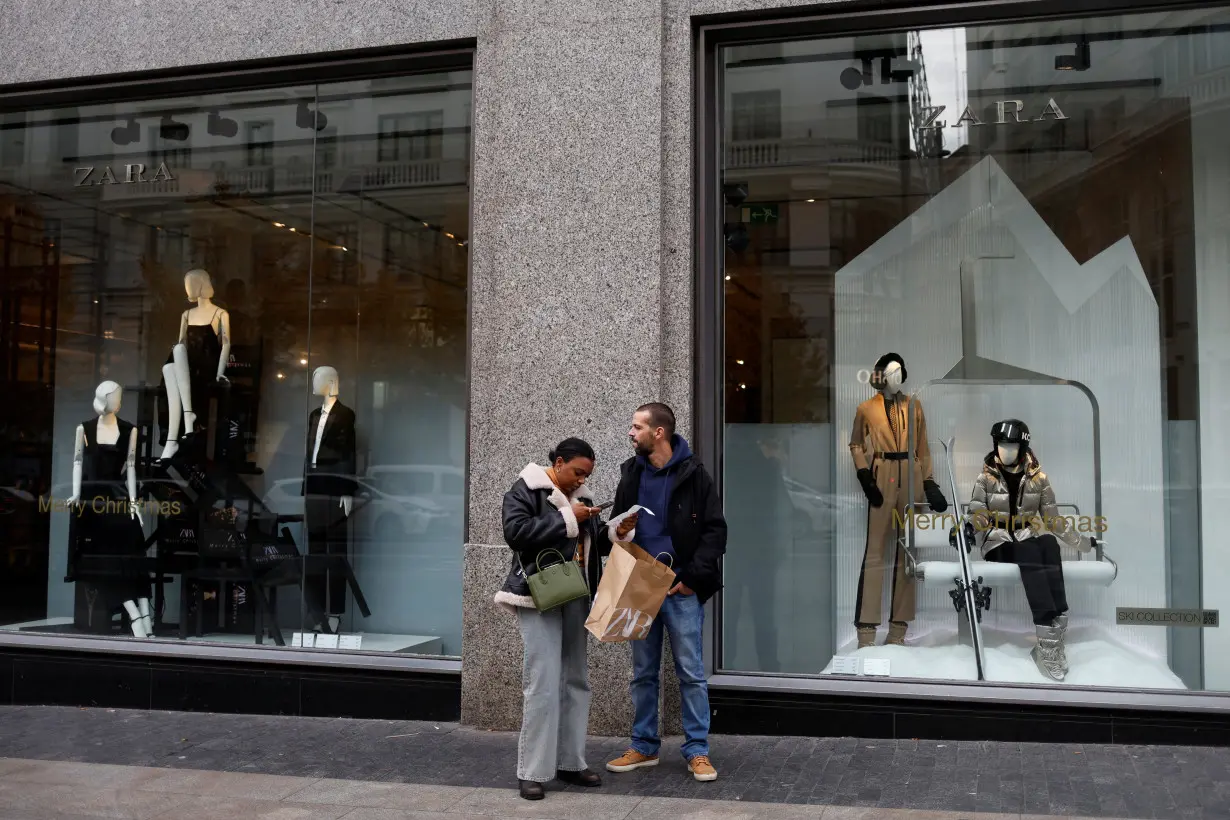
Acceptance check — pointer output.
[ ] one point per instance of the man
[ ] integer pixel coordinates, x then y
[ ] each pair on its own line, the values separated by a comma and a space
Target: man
688, 532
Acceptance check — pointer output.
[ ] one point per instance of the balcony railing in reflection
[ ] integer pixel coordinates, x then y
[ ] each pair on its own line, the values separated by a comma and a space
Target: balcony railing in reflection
811, 151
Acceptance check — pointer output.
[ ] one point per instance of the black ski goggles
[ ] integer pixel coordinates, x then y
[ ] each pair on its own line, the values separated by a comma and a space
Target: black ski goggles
1010, 432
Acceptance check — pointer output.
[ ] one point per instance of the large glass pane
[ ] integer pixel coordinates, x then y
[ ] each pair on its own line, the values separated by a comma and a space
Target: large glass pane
388, 331
1031, 216
171, 274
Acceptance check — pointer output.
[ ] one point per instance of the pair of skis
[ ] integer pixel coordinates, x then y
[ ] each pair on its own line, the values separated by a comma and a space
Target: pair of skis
969, 595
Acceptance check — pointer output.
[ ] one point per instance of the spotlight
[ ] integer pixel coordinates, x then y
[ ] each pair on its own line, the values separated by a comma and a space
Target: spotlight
220, 126
1075, 62
737, 238
307, 118
169, 129
126, 134
735, 193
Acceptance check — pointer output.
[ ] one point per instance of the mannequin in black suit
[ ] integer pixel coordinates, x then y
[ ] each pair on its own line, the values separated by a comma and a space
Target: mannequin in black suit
328, 489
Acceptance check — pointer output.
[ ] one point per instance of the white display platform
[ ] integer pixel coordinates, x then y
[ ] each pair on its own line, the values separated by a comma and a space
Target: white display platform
372, 642
1093, 658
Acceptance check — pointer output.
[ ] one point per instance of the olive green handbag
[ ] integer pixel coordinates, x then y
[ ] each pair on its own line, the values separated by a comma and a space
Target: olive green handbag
557, 584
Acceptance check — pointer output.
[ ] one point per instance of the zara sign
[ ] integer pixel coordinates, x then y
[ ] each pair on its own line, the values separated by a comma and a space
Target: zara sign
132, 173
1007, 112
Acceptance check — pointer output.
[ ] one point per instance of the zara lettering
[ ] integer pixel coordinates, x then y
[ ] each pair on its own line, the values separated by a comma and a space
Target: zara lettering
1006, 112
133, 173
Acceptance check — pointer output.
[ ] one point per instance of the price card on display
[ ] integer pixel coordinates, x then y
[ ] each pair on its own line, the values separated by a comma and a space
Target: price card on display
326, 641
844, 665
876, 666
350, 642
299, 639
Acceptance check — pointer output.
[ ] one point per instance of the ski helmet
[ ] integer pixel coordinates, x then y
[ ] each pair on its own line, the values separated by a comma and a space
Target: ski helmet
877, 373
1011, 431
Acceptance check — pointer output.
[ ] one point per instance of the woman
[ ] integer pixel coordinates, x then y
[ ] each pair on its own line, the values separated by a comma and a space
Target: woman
1014, 505
549, 510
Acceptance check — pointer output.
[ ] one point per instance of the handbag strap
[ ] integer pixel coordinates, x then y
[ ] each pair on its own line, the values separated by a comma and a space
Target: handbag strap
538, 560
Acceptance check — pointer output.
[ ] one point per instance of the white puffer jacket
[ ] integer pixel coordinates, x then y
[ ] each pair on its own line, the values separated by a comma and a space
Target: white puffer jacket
1036, 510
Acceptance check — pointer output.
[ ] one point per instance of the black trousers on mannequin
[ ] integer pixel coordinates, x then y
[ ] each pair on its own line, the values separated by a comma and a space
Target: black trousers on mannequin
325, 585
1041, 574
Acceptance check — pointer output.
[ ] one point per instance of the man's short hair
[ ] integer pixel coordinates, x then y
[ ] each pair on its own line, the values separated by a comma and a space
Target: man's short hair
660, 415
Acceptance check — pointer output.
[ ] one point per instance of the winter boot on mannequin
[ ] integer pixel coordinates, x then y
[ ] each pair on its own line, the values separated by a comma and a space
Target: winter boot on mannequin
105, 454
1014, 506
197, 359
878, 445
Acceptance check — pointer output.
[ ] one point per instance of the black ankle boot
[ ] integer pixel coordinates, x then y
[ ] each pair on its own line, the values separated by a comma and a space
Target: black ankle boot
530, 790
585, 778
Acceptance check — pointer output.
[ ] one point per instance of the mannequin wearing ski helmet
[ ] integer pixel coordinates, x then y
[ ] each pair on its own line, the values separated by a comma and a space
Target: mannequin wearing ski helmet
1013, 505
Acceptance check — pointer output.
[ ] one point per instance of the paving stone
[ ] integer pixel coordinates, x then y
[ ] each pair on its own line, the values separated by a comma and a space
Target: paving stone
403, 768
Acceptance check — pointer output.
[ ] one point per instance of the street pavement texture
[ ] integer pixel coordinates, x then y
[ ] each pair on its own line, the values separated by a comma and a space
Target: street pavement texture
59, 762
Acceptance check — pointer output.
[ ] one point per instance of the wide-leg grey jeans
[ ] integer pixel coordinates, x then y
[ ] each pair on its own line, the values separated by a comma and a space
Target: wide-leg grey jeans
555, 682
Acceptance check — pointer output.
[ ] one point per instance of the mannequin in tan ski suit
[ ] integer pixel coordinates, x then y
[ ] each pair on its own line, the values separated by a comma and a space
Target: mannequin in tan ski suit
878, 445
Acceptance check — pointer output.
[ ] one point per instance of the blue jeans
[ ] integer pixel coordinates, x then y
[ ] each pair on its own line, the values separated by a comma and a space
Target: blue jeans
683, 618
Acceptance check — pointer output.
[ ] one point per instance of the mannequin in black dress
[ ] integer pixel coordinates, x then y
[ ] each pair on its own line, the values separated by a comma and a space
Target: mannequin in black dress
198, 359
108, 515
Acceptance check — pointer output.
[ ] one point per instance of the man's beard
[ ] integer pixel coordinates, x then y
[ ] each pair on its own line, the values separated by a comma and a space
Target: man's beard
640, 449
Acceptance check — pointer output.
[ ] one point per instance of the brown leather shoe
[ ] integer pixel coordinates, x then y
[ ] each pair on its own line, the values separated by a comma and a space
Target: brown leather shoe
632, 760
702, 769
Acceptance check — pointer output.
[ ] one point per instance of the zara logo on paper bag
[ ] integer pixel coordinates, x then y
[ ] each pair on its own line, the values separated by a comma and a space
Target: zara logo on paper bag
628, 623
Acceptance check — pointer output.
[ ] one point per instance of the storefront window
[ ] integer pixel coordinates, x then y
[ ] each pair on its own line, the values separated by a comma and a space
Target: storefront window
929, 233
233, 337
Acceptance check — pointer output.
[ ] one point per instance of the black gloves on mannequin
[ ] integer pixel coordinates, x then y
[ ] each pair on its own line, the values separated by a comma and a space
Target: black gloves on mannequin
935, 498
874, 496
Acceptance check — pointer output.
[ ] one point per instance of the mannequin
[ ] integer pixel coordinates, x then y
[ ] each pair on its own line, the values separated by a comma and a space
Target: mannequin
878, 445
106, 451
1013, 505
329, 488
197, 359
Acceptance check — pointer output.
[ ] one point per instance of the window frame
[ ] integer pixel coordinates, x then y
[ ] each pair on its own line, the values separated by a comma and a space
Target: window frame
256, 75
711, 34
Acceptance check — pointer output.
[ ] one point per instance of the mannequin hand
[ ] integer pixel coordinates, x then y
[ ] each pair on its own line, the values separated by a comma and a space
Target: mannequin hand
969, 537
874, 496
934, 497
346, 502
73, 501
222, 379
136, 513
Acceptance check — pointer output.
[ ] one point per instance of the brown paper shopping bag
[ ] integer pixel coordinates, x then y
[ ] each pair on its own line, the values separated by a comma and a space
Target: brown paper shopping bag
631, 592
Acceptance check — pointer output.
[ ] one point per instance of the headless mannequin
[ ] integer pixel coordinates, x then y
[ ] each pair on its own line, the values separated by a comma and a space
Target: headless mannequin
107, 400
328, 489
178, 372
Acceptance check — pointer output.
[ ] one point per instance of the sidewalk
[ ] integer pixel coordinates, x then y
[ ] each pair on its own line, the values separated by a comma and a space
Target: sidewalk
69, 763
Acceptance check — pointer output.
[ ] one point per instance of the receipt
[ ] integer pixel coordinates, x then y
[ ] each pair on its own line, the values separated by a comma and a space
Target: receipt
635, 508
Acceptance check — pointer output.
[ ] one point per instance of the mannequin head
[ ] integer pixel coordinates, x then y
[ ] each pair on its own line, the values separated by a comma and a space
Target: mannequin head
889, 374
1011, 439
324, 381
107, 397
198, 285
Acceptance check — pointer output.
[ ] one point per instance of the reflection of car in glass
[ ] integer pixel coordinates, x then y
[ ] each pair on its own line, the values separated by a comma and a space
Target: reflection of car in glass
442, 484
18, 520
386, 513
819, 510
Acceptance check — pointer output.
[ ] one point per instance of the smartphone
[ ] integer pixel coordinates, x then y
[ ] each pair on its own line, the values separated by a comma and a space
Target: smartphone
607, 505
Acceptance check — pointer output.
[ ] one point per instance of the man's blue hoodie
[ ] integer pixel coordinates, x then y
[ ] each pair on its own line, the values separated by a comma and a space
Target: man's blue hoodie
652, 531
